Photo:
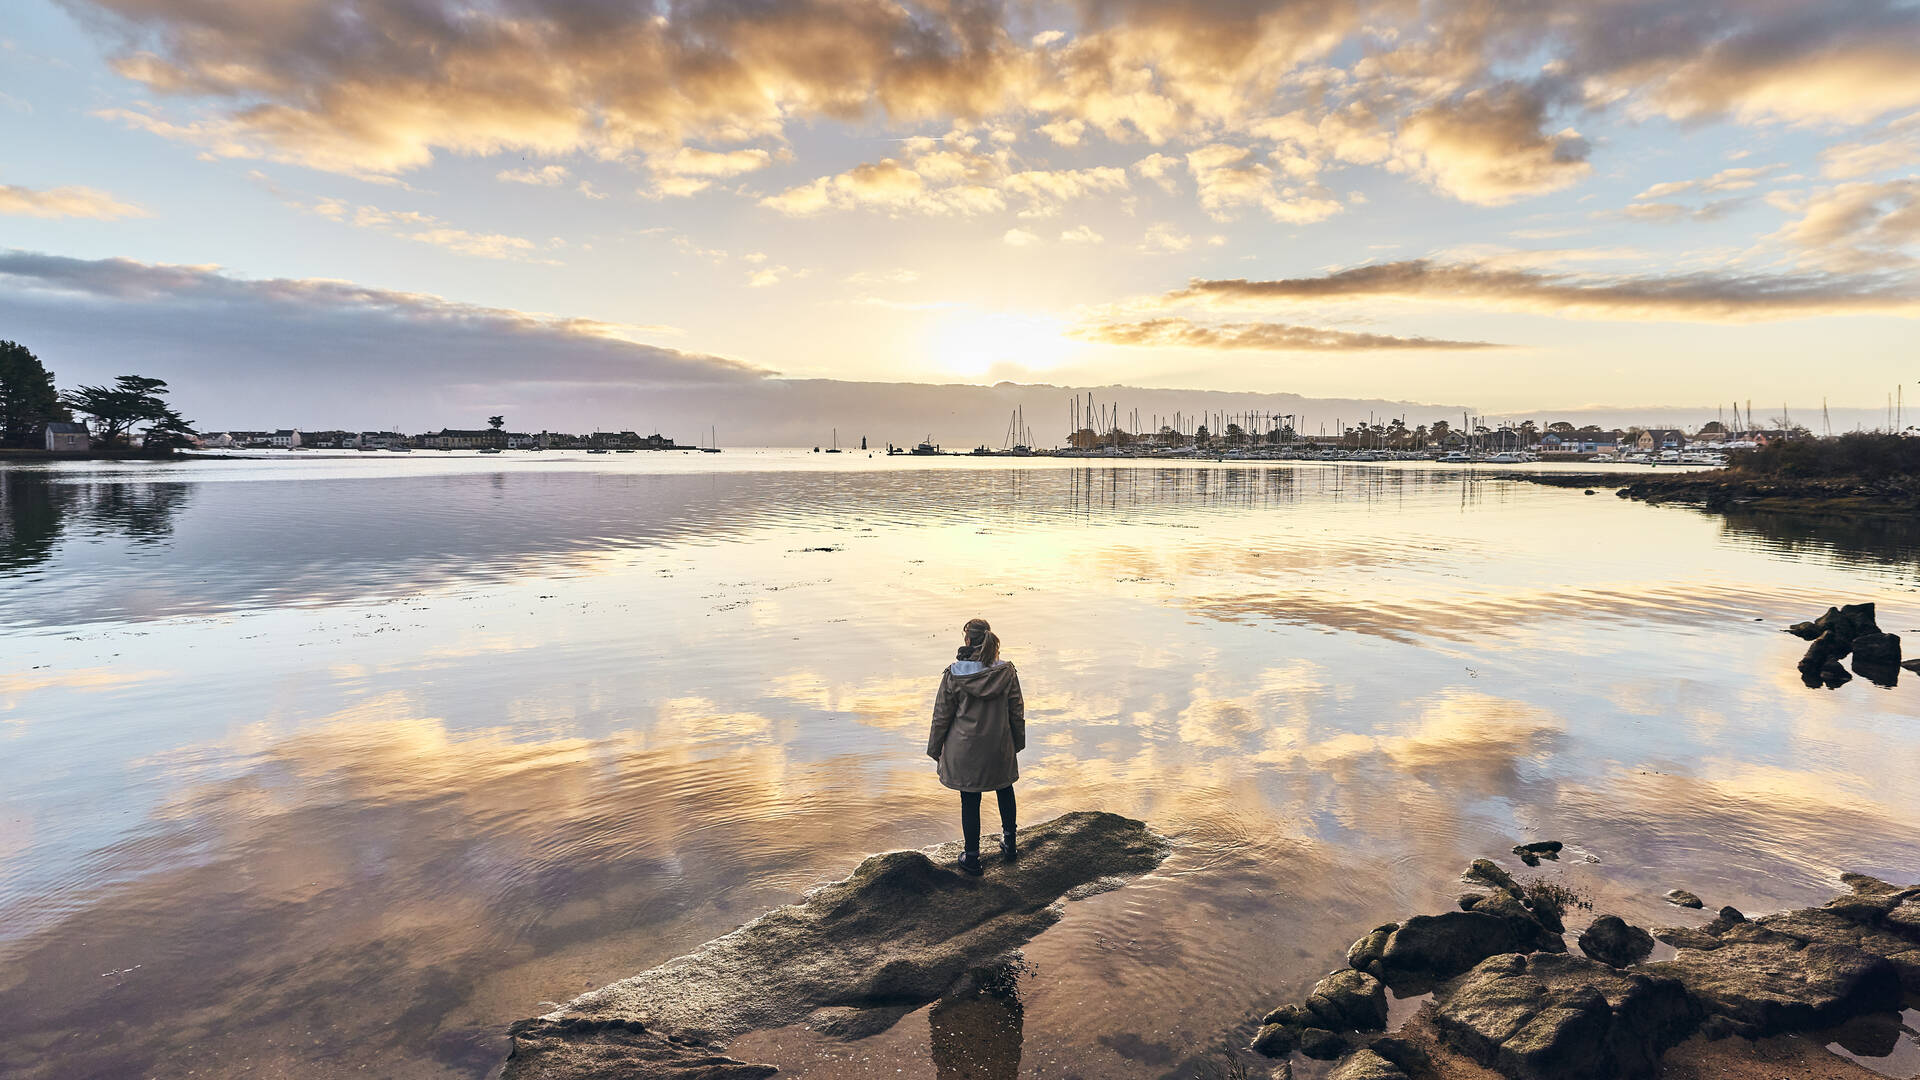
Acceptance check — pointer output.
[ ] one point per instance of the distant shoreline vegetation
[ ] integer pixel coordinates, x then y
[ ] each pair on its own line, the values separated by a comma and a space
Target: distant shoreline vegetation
1863, 472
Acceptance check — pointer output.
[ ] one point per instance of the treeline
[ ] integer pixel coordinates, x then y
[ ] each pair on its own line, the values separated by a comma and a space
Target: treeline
29, 401
1863, 454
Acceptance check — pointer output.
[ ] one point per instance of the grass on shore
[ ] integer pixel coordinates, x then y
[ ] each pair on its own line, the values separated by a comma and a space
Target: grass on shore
1857, 455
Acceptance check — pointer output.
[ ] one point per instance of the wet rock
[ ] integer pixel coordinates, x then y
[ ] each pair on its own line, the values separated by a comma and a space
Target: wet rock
1683, 898
1761, 988
1891, 940
1881, 650
1534, 929
1561, 1017
626, 1048
1614, 942
1825, 649
1833, 676
1349, 1000
896, 934
1405, 1054
1430, 948
1366, 1065
1276, 1040
1287, 1015
1321, 1044
1365, 952
1468, 900
1486, 872
1532, 853
1724, 919
1845, 623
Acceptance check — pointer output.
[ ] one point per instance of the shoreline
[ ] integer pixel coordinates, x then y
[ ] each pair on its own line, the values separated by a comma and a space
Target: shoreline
1724, 489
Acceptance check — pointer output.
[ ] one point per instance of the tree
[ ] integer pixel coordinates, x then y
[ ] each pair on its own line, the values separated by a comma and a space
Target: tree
28, 401
131, 401
496, 422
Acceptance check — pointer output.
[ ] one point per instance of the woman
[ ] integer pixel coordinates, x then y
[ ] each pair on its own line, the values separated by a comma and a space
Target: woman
979, 724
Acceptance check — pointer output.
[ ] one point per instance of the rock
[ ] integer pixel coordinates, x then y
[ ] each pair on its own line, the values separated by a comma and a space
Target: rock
1877, 650
1287, 1015
1349, 1000
1560, 1017
1806, 630
1887, 938
1468, 900
1362, 955
1404, 1054
1532, 853
895, 935
1825, 649
1275, 1040
1321, 1044
1833, 676
1727, 917
1430, 948
1366, 1065
1612, 941
1484, 870
627, 1048
1911, 665
1534, 930
1683, 898
1758, 989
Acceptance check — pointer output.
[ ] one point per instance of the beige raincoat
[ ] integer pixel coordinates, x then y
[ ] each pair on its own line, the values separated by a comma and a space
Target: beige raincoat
979, 724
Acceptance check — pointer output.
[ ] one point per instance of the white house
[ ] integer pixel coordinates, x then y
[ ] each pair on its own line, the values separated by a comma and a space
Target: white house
68, 438
222, 441
284, 439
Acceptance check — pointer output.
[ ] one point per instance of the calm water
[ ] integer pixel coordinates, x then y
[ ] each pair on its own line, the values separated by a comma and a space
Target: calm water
320, 767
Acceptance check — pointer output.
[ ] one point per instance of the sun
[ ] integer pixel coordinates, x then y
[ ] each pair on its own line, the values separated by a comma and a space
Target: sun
973, 343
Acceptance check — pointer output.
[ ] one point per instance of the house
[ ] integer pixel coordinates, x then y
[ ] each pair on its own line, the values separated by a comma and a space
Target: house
65, 438
284, 439
1660, 439
1580, 442
222, 441
1774, 435
464, 439
520, 440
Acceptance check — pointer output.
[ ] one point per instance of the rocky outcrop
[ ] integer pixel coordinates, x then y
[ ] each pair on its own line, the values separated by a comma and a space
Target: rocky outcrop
892, 937
1683, 898
1541, 1014
1532, 853
1614, 942
1560, 1017
1843, 631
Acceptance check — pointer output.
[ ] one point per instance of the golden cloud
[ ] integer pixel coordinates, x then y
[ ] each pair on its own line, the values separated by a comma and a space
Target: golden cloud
1179, 333
65, 202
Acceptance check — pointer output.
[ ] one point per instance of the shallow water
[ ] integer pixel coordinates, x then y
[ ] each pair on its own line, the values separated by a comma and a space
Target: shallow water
318, 766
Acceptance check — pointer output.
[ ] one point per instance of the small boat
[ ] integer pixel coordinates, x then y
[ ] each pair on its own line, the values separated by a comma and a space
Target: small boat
1455, 458
836, 442
926, 449
981, 451
597, 450
623, 451
400, 449
1504, 458
490, 450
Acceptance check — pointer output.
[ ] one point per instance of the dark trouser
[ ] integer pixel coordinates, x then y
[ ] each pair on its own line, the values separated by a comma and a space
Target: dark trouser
970, 814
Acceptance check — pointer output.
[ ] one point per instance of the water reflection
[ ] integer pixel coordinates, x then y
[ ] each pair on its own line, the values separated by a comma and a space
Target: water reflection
36, 513
316, 776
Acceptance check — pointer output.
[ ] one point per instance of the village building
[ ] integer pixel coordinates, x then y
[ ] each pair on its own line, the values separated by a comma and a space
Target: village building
464, 439
66, 438
284, 439
1655, 439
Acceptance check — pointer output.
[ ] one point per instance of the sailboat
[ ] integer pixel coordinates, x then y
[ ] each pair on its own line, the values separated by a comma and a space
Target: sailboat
836, 442
713, 443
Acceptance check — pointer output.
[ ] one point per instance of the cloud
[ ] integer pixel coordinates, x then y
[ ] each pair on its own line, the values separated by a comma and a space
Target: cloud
65, 202
1488, 147
1229, 178
545, 176
1859, 226
1163, 238
1018, 238
1691, 297
1899, 148
1736, 179
1159, 168
1180, 333
260, 340
1081, 234
425, 229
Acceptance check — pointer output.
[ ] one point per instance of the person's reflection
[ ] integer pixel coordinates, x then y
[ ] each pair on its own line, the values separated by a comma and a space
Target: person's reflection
977, 1032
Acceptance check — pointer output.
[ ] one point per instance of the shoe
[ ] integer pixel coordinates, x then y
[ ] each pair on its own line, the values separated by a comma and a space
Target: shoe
1006, 846
969, 863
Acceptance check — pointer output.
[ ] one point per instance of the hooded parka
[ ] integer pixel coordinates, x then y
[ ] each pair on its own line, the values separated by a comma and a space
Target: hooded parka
979, 724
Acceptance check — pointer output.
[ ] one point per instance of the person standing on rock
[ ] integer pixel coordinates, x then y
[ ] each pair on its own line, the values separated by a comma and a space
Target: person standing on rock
979, 726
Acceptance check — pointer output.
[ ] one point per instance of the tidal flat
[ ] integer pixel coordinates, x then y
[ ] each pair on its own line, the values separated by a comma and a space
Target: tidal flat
331, 765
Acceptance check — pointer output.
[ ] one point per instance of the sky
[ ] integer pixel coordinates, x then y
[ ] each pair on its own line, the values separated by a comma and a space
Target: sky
611, 213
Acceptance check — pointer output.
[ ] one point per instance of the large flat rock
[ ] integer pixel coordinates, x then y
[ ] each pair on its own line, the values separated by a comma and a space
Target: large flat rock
892, 937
